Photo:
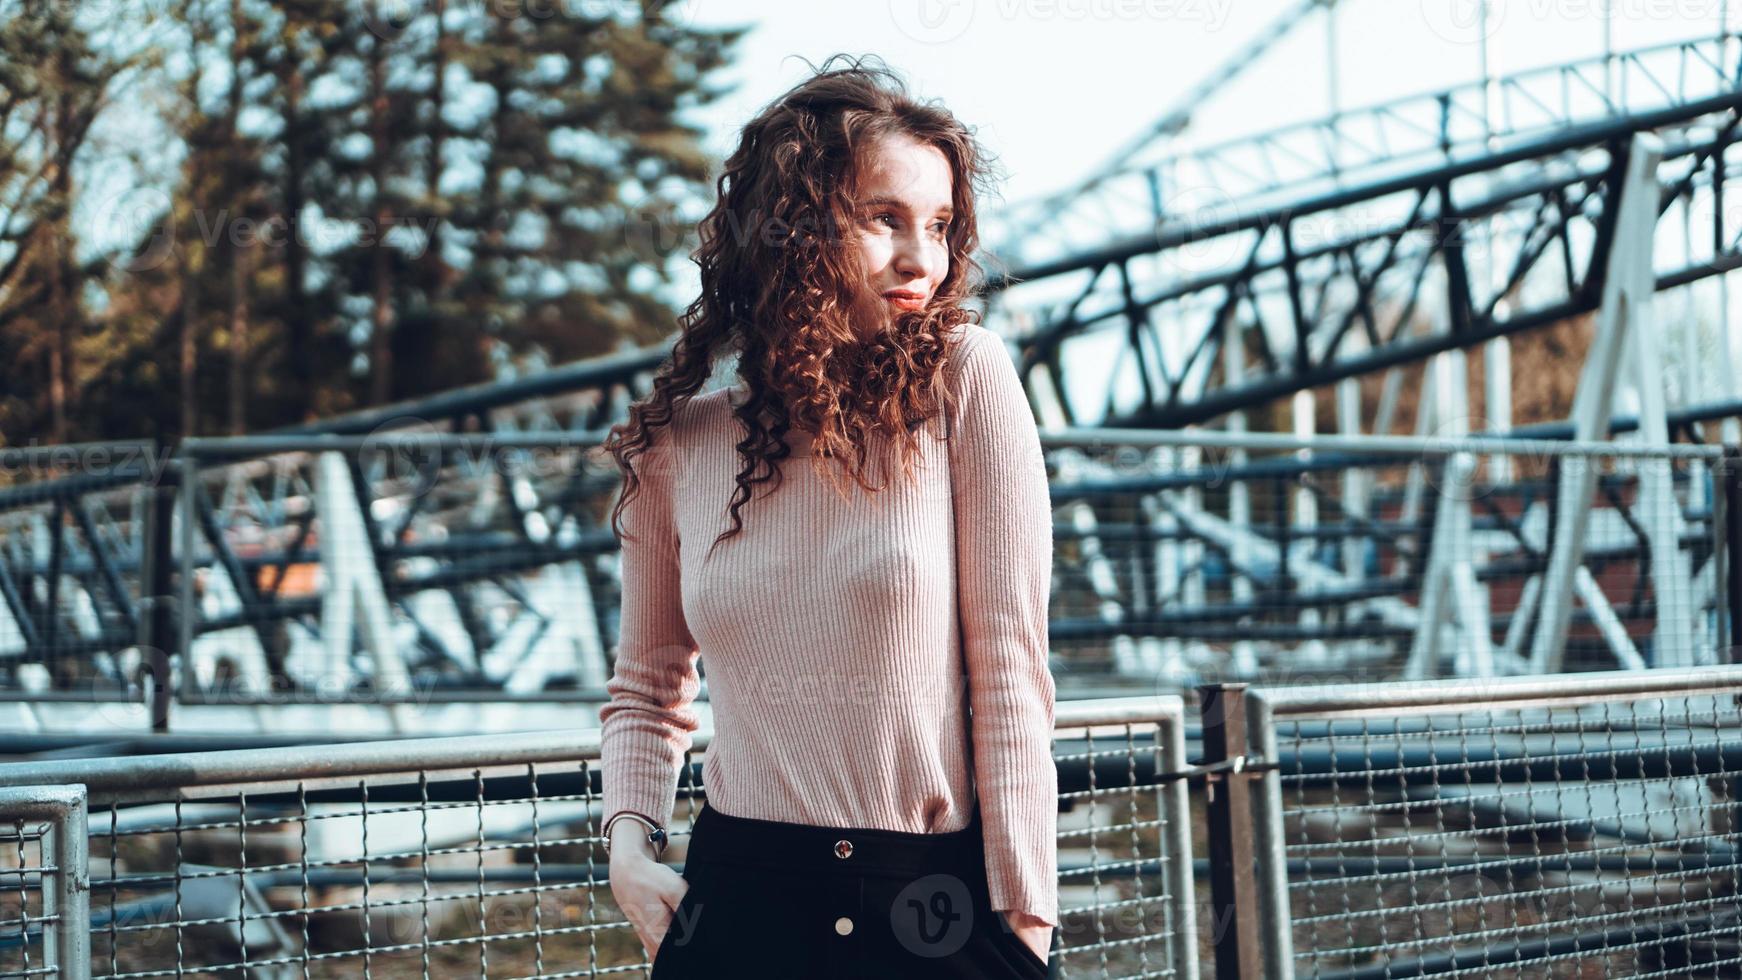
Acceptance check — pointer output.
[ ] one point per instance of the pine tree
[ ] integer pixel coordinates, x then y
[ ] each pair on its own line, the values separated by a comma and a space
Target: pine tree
492, 161
56, 76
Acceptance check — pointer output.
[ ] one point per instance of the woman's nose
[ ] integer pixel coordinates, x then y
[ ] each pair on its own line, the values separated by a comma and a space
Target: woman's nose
912, 258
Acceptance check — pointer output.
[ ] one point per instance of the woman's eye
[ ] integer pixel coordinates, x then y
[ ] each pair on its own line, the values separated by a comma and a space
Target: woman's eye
941, 227
886, 217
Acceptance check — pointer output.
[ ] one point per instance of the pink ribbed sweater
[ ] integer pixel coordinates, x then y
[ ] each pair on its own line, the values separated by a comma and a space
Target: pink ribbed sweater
846, 640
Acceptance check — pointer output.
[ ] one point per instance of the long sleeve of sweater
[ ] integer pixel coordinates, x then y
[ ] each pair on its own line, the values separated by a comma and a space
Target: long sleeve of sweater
1003, 518
646, 727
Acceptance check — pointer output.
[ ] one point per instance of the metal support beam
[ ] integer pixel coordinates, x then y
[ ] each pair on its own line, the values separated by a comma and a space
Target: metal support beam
354, 593
1627, 292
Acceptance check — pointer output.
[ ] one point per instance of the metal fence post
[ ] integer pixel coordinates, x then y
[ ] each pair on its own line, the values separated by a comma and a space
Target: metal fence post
1729, 506
187, 469
66, 903
158, 626
73, 887
1360, 754
1228, 809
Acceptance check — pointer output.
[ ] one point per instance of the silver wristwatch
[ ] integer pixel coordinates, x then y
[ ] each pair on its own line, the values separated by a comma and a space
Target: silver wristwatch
655, 835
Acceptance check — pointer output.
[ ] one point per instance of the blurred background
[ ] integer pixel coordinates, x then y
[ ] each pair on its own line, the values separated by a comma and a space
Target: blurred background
310, 310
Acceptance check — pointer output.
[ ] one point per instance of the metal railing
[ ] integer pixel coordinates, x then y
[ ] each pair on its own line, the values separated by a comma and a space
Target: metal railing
481, 856
85, 568
284, 581
1515, 827
1198, 556
1497, 827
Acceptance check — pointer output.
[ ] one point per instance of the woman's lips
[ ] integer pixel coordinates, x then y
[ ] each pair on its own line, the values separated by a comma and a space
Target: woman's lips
906, 301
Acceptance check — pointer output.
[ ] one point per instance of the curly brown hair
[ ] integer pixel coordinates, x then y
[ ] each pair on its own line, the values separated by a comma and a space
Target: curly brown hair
780, 285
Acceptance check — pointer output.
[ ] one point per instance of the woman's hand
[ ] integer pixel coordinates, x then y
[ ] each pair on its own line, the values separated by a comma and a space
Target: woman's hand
1032, 930
648, 893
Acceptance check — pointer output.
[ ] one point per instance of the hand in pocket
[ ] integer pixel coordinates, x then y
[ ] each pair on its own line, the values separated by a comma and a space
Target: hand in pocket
1034, 933
650, 894
679, 923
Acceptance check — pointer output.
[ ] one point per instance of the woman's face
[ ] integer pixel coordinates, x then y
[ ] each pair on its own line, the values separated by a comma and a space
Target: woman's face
900, 230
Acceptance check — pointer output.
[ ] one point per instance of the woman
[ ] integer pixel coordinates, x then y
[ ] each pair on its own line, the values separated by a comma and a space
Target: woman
858, 820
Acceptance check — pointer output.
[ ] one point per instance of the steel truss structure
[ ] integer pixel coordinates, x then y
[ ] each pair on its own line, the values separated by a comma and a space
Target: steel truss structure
1342, 285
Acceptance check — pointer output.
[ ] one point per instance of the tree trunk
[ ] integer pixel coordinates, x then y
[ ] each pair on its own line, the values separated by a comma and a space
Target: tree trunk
299, 331
61, 299
381, 318
440, 277
241, 253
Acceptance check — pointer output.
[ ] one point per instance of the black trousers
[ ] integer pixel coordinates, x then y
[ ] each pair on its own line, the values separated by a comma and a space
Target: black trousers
769, 899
